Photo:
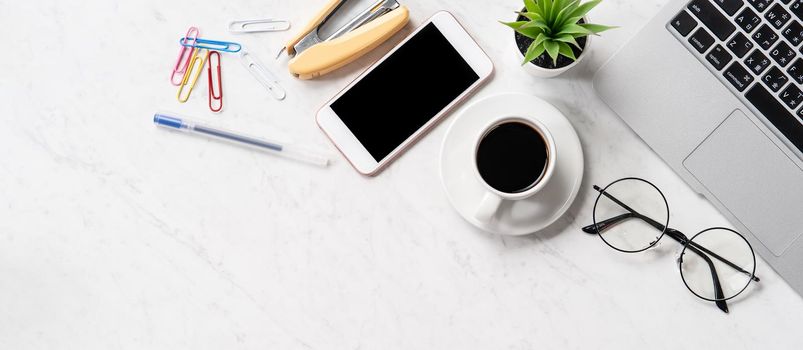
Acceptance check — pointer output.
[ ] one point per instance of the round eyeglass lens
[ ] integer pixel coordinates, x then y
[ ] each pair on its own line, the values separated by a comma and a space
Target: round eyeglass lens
631, 215
717, 264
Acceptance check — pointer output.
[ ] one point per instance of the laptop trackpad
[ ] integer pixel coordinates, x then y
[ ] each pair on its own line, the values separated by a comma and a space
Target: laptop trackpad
754, 179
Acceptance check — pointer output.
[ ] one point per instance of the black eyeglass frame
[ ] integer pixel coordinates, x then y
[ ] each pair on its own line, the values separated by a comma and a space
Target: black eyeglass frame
678, 236
607, 223
691, 242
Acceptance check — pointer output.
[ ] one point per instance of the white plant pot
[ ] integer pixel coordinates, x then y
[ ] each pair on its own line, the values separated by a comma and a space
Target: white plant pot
542, 72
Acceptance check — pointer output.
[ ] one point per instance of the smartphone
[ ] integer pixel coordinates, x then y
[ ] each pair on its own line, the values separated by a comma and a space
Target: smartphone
399, 98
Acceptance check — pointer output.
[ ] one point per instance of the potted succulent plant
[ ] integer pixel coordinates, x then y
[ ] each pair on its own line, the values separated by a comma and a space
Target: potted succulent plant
552, 36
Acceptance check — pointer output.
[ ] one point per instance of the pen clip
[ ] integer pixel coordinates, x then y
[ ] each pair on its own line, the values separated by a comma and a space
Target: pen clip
184, 55
189, 72
225, 46
259, 25
212, 96
262, 75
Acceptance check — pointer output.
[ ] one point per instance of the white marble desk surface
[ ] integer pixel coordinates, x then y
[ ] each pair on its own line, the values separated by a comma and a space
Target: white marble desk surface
117, 235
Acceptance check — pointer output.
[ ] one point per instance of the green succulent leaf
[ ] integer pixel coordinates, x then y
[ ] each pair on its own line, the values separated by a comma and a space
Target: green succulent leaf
532, 52
565, 11
565, 50
552, 49
514, 25
533, 16
540, 39
530, 5
531, 32
569, 20
583, 9
537, 24
566, 38
595, 28
545, 5
573, 5
557, 5
574, 29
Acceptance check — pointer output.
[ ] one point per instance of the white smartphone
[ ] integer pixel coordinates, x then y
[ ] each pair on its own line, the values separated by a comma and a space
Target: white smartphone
398, 99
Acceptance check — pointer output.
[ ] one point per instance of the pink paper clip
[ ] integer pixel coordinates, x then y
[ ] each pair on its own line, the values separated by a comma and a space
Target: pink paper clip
184, 55
212, 96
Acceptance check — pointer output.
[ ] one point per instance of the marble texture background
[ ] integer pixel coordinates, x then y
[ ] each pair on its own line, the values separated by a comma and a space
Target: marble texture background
117, 235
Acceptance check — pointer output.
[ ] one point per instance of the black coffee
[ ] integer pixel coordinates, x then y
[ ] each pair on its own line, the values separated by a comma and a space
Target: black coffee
512, 157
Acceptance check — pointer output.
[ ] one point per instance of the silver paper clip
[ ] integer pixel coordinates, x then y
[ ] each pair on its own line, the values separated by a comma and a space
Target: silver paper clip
262, 75
258, 25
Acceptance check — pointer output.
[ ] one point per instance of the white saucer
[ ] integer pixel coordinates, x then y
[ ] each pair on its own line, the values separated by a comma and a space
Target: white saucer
514, 217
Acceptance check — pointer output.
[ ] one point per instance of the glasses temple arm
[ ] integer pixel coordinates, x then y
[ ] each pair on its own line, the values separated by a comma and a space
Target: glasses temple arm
603, 225
723, 260
718, 294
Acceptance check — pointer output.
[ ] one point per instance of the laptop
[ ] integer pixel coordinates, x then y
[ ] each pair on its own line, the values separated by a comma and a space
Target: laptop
715, 88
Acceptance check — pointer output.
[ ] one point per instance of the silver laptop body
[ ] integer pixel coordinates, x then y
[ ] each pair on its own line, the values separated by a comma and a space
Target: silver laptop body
733, 132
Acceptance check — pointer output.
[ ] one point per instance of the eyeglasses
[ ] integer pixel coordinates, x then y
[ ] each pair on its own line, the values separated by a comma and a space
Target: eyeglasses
716, 264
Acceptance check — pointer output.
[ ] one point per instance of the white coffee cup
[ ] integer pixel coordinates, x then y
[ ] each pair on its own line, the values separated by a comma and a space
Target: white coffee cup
486, 211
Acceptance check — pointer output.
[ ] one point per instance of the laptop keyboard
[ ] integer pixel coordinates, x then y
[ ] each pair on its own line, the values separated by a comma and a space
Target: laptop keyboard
753, 47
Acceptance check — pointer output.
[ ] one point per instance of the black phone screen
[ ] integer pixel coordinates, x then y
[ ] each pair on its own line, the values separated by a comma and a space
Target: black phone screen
405, 91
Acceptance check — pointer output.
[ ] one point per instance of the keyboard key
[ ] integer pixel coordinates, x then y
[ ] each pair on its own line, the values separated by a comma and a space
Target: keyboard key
777, 16
797, 8
796, 71
776, 114
747, 19
729, 6
739, 77
782, 54
757, 62
765, 37
794, 33
792, 96
740, 45
775, 79
760, 5
720, 25
701, 40
684, 23
719, 57
785, 1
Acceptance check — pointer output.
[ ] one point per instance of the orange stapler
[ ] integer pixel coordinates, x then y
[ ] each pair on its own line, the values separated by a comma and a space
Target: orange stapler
313, 56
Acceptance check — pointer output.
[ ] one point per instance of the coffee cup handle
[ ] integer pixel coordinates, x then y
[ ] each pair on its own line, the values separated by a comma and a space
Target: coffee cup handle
488, 207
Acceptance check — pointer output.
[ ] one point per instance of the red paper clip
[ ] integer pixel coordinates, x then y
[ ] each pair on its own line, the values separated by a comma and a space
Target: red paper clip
212, 96
184, 55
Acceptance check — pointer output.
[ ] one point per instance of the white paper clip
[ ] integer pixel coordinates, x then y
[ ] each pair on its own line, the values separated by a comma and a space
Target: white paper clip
259, 25
262, 75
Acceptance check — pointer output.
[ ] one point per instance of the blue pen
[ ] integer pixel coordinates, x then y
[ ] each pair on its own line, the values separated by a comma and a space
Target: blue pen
188, 126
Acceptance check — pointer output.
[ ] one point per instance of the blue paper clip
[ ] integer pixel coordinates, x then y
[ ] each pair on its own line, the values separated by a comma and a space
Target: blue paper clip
215, 45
